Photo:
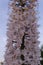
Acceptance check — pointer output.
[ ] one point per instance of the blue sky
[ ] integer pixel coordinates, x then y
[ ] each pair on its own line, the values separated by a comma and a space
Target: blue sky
3, 22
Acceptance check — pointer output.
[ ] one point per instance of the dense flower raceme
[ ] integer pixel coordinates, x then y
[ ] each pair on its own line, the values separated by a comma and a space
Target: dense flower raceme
22, 43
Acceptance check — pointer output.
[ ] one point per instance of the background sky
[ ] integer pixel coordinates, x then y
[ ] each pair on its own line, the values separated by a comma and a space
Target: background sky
3, 23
